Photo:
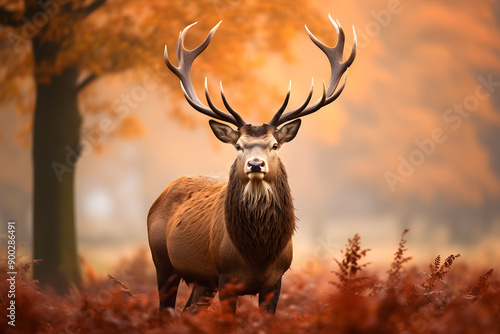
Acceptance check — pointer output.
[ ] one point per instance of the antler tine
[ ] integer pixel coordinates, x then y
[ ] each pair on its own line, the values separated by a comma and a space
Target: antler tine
212, 105
192, 54
337, 93
170, 66
233, 112
351, 58
280, 111
306, 102
185, 59
321, 102
196, 105
338, 70
340, 33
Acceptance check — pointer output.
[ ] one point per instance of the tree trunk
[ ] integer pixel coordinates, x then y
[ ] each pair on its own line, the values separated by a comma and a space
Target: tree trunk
55, 145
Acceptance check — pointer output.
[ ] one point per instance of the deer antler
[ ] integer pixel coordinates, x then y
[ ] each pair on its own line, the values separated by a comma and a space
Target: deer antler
185, 59
331, 93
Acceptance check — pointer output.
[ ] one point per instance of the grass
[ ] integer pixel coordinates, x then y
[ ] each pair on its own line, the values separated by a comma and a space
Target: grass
446, 298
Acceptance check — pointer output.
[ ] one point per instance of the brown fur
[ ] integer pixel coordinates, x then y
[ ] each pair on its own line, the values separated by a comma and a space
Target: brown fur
213, 231
260, 233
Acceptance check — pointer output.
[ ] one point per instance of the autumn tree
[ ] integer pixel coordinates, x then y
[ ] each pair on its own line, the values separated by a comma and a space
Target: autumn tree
54, 53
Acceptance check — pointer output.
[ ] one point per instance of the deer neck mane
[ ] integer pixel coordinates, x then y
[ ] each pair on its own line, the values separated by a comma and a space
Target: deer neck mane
259, 216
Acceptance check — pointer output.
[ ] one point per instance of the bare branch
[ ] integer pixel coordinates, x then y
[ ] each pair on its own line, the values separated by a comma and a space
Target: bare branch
86, 82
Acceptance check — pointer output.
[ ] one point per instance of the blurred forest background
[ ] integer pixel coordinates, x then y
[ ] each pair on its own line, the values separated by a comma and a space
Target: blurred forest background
413, 141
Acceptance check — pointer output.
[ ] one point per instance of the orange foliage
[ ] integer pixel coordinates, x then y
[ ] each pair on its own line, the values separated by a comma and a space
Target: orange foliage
126, 302
130, 127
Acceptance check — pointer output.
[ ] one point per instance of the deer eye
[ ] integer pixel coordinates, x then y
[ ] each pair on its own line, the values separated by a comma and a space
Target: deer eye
238, 147
275, 146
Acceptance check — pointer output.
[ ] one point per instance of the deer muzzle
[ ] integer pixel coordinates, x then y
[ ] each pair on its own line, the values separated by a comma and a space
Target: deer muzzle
256, 168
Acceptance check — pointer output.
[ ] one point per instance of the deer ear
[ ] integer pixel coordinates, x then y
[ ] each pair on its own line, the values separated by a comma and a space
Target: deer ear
288, 131
223, 132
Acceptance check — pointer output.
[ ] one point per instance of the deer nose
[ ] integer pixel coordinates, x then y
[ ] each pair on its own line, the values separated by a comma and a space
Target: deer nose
256, 166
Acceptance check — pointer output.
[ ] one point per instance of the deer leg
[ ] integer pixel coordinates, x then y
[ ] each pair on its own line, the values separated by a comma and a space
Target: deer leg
168, 283
166, 277
228, 294
268, 298
201, 296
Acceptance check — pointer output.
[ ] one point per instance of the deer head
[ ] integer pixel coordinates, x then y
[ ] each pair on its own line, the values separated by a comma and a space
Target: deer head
258, 145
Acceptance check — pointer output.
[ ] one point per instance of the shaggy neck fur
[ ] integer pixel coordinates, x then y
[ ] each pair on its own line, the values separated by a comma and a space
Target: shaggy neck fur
258, 196
260, 217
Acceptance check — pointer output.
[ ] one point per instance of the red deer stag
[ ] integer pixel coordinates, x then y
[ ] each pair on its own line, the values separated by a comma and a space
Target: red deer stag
211, 231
